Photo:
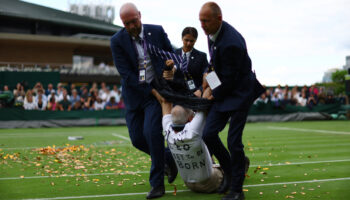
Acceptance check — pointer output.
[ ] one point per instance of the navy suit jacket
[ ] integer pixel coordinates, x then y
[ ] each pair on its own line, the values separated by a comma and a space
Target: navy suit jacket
197, 64
125, 59
239, 86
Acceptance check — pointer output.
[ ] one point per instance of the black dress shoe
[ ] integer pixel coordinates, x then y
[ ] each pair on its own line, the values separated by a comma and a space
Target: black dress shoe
171, 172
156, 192
234, 196
225, 184
247, 163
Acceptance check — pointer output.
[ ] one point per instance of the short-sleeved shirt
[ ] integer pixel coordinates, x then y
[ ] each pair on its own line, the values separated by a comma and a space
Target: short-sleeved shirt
188, 149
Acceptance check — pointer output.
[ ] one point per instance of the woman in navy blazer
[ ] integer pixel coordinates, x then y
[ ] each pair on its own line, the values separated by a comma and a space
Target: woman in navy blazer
197, 60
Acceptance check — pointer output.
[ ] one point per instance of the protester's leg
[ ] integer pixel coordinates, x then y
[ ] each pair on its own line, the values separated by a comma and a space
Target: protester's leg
152, 131
216, 122
235, 146
134, 121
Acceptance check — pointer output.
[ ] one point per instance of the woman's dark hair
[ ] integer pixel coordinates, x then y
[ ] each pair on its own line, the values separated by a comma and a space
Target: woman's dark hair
190, 30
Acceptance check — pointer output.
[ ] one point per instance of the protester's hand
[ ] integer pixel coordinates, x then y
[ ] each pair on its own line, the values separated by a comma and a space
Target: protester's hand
169, 63
205, 82
169, 74
198, 93
208, 94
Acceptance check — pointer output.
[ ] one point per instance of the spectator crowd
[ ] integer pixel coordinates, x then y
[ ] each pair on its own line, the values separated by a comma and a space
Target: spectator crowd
102, 97
62, 98
306, 96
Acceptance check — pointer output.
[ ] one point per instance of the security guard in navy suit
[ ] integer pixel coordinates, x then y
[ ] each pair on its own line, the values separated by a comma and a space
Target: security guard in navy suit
137, 69
234, 89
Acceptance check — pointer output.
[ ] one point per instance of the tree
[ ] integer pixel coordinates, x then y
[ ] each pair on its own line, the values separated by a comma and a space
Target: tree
339, 76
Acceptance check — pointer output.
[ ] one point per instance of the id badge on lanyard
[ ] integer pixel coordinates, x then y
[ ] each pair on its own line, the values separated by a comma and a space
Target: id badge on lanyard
213, 80
190, 84
142, 73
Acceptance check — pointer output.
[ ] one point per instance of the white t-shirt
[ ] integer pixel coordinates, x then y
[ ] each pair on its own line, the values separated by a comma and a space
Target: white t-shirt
188, 149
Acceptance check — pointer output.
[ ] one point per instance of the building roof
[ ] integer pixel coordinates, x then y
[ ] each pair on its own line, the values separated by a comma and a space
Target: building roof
28, 11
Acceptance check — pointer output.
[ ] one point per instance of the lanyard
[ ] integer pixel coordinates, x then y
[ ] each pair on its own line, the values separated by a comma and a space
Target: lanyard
144, 46
211, 53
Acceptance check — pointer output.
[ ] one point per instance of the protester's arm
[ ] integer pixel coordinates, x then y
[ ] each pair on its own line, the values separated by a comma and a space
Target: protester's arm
166, 106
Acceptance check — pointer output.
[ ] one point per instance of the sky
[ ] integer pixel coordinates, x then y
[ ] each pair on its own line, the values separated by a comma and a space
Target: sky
289, 42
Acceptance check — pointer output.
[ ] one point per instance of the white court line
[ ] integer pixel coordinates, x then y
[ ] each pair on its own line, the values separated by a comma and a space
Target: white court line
308, 130
302, 163
120, 136
145, 172
143, 193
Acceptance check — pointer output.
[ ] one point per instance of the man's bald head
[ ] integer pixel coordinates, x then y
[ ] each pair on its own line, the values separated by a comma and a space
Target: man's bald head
180, 115
131, 18
211, 17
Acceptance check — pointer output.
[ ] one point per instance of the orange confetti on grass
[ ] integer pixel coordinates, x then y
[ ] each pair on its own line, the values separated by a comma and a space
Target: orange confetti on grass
175, 190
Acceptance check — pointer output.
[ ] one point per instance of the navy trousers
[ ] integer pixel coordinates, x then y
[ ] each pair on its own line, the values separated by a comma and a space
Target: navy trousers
232, 162
145, 130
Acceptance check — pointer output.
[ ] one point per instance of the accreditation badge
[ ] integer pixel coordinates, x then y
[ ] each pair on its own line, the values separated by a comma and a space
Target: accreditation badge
190, 84
142, 75
213, 80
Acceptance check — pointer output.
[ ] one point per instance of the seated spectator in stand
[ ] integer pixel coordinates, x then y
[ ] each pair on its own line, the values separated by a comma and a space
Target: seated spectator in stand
64, 104
29, 102
6, 97
321, 96
40, 92
286, 91
294, 96
105, 95
276, 100
77, 105
112, 104
278, 93
121, 104
84, 93
62, 93
53, 94
306, 91
52, 105
99, 104
116, 93
302, 100
313, 89
93, 88
38, 86
330, 99
102, 89
19, 95
312, 100
49, 89
72, 87
74, 97
285, 101
261, 100
41, 104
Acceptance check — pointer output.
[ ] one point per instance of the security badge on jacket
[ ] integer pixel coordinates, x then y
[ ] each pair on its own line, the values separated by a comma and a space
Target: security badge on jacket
212, 78
142, 73
189, 80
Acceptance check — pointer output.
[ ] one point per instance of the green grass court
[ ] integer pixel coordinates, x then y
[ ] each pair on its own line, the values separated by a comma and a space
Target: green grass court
300, 160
